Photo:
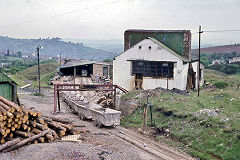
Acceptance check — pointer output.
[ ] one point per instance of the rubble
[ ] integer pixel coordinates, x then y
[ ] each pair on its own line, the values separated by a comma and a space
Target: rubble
209, 112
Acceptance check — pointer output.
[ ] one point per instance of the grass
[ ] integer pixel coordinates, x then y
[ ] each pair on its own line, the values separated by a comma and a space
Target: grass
47, 71
19, 80
207, 137
32, 72
130, 95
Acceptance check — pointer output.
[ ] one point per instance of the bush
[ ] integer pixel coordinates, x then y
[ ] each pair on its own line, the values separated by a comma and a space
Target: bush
220, 85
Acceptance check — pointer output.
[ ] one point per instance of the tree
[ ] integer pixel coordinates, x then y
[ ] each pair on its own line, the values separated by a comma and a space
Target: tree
19, 54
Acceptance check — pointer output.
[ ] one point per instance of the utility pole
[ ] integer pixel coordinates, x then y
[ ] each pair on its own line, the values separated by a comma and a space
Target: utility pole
39, 90
199, 51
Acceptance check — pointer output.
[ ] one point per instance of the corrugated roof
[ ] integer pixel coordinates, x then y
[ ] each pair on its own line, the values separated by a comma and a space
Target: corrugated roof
168, 49
83, 63
5, 78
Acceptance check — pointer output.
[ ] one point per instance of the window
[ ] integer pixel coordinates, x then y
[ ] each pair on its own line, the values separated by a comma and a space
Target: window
153, 69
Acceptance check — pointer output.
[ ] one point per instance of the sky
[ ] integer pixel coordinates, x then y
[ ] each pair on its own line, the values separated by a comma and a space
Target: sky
108, 19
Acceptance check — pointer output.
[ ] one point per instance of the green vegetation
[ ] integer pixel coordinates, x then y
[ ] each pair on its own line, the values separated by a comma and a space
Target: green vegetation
208, 125
17, 64
130, 95
45, 69
107, 60
30, 75
220, 85
225, 67
19, 80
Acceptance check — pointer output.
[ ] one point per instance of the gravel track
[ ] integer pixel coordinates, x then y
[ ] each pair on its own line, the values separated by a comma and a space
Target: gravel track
99, 144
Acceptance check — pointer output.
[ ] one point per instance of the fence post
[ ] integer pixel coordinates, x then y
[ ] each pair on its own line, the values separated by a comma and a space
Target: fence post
55, 99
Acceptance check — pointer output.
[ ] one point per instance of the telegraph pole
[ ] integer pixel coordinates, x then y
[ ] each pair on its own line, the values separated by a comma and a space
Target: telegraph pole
199, 51
39, 90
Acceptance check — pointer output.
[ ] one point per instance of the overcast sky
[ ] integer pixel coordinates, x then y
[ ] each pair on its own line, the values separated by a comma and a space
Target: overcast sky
108, 19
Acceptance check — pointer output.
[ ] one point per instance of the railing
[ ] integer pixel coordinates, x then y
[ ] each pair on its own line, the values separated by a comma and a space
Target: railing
84, 87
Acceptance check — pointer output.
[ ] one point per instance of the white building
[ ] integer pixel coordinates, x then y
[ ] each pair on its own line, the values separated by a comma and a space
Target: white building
150, 64
234, 60
195, 70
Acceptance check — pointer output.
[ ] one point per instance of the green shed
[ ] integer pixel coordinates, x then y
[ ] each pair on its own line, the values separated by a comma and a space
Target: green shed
8, 88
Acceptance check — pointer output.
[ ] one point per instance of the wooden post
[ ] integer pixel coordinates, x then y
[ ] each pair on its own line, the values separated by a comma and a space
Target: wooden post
55, 98
39, 88
199, 51
151, 114
167, 82
74, 76
58, 97
144, 116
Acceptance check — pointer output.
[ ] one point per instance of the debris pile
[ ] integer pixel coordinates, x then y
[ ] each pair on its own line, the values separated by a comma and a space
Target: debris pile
20, 126
106, 101
209, 112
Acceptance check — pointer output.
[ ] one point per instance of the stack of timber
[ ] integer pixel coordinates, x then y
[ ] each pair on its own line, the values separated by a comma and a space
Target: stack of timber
20, 126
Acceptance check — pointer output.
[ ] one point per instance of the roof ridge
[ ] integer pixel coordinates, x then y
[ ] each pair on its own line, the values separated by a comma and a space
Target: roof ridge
169, 49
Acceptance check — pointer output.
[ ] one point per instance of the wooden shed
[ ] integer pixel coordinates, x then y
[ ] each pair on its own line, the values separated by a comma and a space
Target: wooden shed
8, 88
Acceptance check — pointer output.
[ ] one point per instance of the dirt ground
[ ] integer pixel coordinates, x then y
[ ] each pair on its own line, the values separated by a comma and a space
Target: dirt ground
99, 144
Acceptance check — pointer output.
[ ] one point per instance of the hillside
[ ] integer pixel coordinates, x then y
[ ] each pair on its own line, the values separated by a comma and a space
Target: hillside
53, 47
30, 75
219, 49
206, 127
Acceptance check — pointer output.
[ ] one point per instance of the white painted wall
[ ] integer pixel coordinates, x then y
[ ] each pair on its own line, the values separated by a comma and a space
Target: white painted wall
122, 67
195, 69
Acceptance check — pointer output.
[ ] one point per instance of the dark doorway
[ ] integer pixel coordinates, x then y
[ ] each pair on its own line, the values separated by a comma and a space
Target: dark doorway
138, 81
105, 71
191, 81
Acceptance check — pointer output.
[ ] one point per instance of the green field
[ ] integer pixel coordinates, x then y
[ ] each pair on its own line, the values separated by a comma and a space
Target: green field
207, 127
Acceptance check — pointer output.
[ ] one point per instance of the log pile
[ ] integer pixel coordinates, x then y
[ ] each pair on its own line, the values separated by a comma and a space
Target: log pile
20, 126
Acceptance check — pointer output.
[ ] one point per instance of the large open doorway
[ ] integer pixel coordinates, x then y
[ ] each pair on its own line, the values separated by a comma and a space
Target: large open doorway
191, 81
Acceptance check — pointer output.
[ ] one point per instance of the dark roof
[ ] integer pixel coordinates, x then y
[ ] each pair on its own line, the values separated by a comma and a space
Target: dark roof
82, 64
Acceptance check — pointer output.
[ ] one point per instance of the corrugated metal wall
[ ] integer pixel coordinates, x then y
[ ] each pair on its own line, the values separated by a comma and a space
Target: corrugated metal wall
6, 91
172, 40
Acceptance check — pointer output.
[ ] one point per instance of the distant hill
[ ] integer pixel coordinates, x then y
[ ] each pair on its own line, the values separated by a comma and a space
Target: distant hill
111, 45
219, 49
53, 47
